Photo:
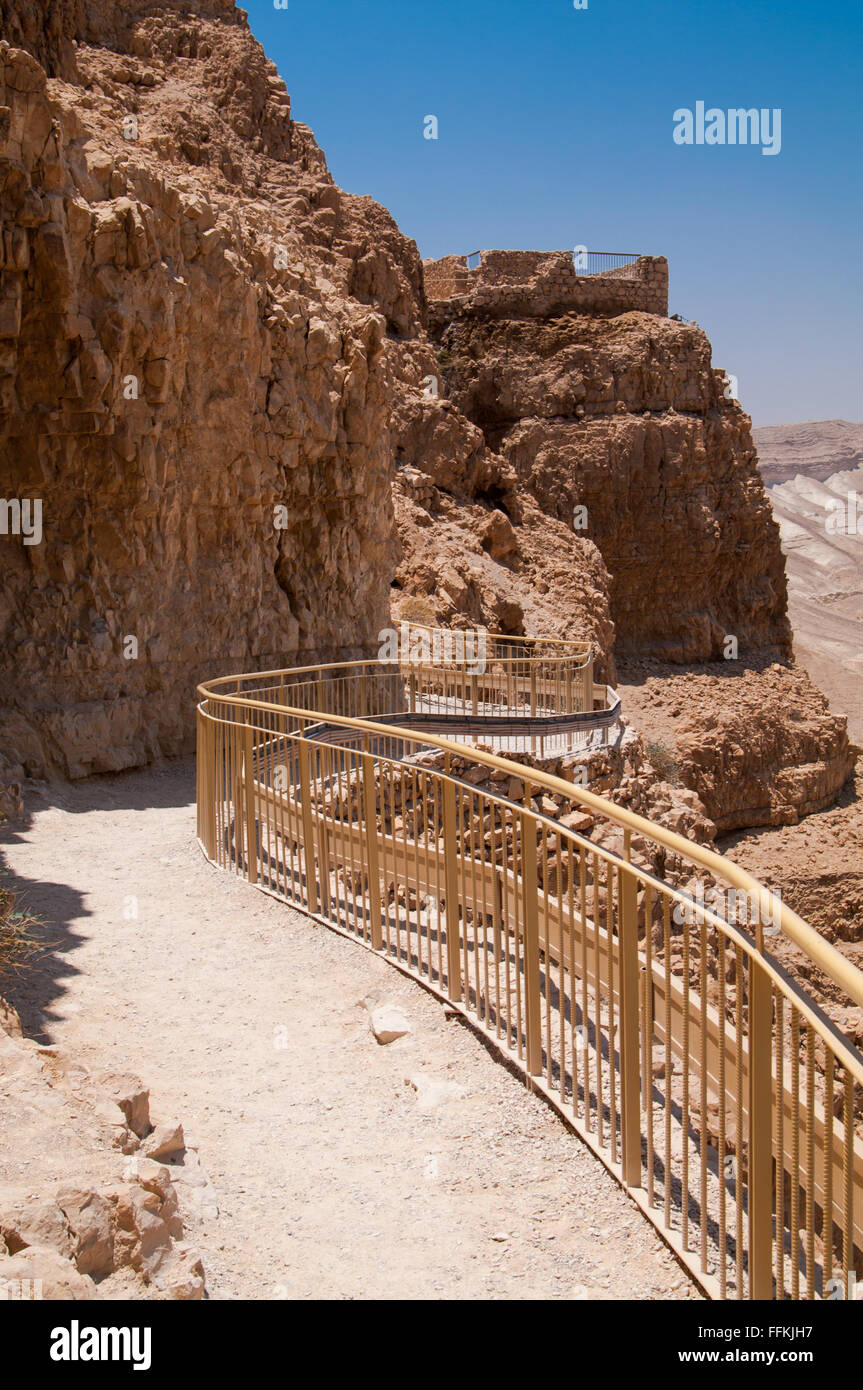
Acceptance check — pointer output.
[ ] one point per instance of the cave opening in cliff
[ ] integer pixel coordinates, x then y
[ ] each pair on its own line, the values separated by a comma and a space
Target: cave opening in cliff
493, 496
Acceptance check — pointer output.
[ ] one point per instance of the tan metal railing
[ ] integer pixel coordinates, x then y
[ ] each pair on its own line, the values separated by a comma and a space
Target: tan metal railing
656, 1021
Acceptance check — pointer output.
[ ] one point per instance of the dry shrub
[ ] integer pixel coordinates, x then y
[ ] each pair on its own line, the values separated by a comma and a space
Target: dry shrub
17, 943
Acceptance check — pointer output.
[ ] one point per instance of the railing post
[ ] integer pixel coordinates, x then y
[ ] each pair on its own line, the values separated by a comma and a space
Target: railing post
630, 1079
451, 852
205, 760
304, 758
370, 816
208, 753
760, 1174
530, 922
587, 679
474, 693
249, 789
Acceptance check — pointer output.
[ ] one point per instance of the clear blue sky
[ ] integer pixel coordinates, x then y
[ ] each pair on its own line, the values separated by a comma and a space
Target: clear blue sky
556, 130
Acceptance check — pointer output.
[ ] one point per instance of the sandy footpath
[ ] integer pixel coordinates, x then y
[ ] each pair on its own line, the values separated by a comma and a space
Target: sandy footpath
334, 1177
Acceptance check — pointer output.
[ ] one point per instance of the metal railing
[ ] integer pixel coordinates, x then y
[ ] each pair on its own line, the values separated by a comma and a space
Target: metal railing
569, 931
586, 262
607, 262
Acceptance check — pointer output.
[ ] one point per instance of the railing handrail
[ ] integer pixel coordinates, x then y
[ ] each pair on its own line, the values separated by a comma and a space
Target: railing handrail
819, 951
579, 643
637, 254
392, 666
339, 787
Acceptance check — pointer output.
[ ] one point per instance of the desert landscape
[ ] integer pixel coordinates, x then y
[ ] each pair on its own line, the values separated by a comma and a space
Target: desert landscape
810, 471
263, 431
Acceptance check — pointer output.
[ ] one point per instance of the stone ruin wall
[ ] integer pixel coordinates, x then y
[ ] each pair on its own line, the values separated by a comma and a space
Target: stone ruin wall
504, 278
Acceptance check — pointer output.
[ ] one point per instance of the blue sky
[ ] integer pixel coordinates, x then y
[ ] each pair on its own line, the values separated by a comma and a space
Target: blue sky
556, 130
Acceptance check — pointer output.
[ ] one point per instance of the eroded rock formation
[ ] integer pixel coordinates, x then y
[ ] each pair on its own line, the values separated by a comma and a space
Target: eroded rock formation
221, 377
193, 324
620, 413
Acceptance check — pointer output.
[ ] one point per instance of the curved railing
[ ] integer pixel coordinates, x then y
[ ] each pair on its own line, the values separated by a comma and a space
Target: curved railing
625, 970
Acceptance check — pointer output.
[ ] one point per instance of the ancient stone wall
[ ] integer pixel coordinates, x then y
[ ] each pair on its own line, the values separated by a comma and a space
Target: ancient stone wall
544, 282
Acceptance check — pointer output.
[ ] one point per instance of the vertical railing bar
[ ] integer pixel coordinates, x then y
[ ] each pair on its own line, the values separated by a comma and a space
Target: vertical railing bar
810, 1162
518, 928
780, 1145
613, 1015
485, 1015
629, 1031
646, 978
532, 996
573, 979
723, 1190
585, 1007
760, 1186
702, 1058
848, 1184
827, 1235
669, 1063
684, 1121
454, 988
546, 973
597, 1005
738, 1172
795, 1154
249, 792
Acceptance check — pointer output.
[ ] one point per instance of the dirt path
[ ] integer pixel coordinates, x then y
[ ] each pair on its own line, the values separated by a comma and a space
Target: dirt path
332, 1177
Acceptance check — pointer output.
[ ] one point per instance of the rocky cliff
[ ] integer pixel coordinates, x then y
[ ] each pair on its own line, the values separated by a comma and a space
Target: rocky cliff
193, 329
252, 436
620, 414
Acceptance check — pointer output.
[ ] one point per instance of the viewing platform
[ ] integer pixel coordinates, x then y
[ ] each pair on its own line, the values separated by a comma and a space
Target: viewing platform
625, 971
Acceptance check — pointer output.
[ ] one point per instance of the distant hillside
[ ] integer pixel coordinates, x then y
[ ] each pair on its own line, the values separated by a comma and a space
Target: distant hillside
810, 468
816, 448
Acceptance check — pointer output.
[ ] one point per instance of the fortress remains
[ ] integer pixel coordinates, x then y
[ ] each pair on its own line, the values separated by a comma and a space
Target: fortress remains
503, 278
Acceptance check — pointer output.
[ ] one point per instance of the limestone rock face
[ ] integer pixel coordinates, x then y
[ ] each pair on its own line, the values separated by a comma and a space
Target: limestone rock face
193, 379
476, 547
624, 417
757, 746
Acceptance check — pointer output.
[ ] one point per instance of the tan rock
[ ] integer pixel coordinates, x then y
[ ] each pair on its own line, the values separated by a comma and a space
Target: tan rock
43, 1273
30, 1219
184, 1278
132, 1097
90, 1220
388, 1024
165, 1141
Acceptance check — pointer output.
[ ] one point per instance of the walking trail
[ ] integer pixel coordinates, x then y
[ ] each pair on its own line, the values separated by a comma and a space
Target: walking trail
335, 1177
